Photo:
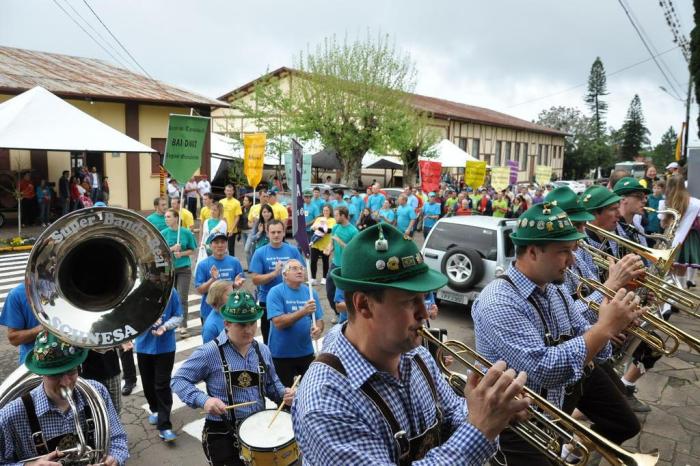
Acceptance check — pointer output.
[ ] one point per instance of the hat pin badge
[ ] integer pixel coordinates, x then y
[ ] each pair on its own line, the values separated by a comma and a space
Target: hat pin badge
381, 245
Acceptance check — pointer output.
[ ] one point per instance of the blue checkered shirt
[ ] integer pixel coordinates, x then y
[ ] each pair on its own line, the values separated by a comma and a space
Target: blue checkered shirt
205, 365
583, 265
16, 435
335, 423
508, 327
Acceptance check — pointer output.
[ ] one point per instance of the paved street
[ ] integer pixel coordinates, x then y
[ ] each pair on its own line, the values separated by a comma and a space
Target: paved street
672, 388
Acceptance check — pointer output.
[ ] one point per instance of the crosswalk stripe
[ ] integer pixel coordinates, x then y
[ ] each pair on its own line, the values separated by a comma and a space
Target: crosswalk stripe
14, 257
6, 270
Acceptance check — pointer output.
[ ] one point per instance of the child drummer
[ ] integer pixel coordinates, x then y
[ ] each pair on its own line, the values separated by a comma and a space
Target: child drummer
237, 369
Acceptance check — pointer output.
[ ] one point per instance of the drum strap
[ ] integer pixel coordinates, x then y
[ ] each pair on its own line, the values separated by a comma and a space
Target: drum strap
400, 436
229, 384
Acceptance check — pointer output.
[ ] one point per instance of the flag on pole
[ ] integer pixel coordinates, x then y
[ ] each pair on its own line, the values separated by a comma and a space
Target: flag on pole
185, 144
679, 143
298, 217
253, 157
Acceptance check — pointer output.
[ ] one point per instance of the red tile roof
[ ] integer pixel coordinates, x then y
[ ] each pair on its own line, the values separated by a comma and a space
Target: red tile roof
439, 108
68, 76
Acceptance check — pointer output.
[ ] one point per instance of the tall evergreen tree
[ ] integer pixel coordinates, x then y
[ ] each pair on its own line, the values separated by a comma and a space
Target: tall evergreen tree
597, 88
665, 151
635, 133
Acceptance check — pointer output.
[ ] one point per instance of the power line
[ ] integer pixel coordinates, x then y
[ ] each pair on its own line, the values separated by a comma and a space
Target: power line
583, 84
646, 46
85, 31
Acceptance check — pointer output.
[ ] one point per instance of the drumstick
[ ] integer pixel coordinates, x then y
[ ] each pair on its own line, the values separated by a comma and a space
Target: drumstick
237, 405
279, 408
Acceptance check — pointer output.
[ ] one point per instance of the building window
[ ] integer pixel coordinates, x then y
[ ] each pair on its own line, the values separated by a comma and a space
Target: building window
497, 155
507, 154
475, 148
546, 155
516, 153
540, 149
523, 159
462, 143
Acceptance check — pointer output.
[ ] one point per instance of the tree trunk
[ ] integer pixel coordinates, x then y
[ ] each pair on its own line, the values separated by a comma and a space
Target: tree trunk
410, 175
352, 168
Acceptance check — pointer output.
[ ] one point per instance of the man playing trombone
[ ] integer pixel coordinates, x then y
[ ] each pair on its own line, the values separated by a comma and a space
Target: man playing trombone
528, 321
376, 396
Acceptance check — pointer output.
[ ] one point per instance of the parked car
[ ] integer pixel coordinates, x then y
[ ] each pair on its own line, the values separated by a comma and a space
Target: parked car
471, 251
575, 186
333, 187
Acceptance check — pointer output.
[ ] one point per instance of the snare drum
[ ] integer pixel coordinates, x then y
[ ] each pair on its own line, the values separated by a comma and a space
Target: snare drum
263, 446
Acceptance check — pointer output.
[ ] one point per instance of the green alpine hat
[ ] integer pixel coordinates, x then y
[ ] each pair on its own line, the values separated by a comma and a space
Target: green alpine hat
544, 223
52, 355
596, 197
241, 308
566, 199
307, 192
628, 185
382, 257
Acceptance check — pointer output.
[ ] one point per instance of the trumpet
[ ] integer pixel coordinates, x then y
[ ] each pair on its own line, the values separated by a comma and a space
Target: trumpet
667, 237
548, 427
667, 347
661, 258
683, 299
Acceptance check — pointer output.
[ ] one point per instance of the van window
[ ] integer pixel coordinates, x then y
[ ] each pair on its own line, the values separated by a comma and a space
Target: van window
508, 246
450, 235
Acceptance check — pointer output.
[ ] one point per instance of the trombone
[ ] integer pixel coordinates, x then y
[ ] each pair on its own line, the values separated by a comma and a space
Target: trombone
644, 333
683, 299
547, 426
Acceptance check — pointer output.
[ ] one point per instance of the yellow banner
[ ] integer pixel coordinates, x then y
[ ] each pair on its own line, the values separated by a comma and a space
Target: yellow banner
475, 173
679, 143
500, 178
253, 156
543, 174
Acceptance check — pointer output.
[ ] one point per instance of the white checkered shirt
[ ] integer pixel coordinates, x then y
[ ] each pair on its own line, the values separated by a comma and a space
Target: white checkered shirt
336, 424
508, 327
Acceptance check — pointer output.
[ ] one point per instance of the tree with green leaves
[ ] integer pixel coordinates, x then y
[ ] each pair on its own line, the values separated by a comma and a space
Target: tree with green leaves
410, 136
583, 150
634, 131
665, 151
597, 88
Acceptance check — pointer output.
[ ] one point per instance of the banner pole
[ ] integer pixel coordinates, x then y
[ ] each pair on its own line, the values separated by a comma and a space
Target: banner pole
179, 215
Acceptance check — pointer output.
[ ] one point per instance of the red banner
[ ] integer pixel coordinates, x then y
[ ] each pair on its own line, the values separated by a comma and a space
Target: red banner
429, 175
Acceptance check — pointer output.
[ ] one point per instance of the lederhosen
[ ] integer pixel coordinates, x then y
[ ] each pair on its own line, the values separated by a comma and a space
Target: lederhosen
409, 449
62, 442
515, 449
220, 438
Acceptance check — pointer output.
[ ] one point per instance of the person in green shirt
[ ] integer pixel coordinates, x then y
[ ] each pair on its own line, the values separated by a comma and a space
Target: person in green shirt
450, 201
157, 218
500, 205
341, 235
182, 251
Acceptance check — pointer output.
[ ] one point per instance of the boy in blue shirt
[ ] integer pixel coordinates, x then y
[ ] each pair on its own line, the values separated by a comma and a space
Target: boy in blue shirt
405, 216
17, 316
431, 213
289, 308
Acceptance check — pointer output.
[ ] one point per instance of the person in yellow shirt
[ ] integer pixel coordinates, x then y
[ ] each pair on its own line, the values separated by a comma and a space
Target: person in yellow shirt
278, 209
205, 211
254, 212
187, 219
320, 240
232, 212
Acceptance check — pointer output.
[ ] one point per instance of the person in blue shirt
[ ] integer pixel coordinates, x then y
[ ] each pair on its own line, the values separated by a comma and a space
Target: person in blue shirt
22, 325
218, 266
340, 306
353, 213
357, 201
375, 201
386, 214
311, 211
236, 369
405, 216
317, 200
266, 267
182, 251
653, 224
431, 213
155, 353
289, 308
217, 296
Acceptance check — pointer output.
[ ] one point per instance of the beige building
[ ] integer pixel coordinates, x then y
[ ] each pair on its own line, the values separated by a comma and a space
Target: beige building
128, 102
485, 134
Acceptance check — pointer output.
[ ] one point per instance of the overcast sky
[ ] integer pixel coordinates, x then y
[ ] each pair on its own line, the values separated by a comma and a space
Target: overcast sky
514, 56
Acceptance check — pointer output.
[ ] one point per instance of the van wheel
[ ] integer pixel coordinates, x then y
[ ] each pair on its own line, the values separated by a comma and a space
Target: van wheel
463, 268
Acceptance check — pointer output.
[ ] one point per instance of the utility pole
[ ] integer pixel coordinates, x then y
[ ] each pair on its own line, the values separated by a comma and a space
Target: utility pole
687, 118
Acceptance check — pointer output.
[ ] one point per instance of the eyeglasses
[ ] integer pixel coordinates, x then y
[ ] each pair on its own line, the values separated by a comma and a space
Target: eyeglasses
295, 268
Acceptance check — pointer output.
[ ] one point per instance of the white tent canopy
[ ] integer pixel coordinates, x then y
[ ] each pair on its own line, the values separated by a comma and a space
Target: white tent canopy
450, 155
37, 119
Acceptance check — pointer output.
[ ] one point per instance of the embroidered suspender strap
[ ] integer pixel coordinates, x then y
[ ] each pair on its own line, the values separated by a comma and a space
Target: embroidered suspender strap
262, 370
37, 435
376, 399
229, 385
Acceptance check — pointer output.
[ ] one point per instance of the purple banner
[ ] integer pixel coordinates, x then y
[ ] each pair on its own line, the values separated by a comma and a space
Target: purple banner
513, 171
298, 217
